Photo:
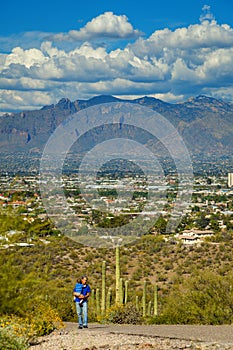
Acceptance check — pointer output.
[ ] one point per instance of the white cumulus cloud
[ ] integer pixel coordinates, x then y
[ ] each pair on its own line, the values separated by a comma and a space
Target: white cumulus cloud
173, 64
27, 58
206, 15
106, 25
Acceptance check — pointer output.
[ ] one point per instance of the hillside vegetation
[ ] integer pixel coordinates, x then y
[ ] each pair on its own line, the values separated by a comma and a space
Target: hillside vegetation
197, 280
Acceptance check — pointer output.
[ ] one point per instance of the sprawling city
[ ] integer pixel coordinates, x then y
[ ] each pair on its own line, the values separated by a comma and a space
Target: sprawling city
210, 212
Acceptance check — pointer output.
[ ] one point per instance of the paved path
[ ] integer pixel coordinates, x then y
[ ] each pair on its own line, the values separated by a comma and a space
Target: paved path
214, 334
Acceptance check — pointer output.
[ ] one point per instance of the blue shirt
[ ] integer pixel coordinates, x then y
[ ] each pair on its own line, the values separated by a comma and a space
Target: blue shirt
78, 288
86, 289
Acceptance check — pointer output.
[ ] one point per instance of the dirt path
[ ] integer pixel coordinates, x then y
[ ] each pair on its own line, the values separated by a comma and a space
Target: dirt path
129, 337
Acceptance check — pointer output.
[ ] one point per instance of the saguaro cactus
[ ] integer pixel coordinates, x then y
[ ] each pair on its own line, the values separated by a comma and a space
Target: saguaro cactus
155, 300
103, 295
97, 302
149, 308
144, 300
117, 275
108, 301
121, 292
126, 291
92, 297
137, 303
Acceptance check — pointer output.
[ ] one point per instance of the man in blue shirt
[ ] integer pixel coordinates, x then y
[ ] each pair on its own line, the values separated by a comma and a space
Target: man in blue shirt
82, 308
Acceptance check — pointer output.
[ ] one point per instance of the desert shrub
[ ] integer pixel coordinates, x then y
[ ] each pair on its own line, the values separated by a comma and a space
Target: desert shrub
40, 319
9, 341
44, 318
204, 298
15, 333
62, 301
123, 314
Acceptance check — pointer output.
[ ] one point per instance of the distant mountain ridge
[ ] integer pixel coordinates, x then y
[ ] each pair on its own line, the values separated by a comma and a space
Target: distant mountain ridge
205, 123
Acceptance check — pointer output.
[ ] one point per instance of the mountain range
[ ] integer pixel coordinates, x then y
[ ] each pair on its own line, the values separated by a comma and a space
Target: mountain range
205, 123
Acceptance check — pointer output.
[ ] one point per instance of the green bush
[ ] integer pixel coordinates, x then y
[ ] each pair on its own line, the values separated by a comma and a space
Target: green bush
40, 321
204, 298
44, 318
9, 341
123, 314
15, 333
62, 301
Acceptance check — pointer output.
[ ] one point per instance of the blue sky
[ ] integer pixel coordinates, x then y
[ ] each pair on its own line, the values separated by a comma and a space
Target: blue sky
55, 16
170, 50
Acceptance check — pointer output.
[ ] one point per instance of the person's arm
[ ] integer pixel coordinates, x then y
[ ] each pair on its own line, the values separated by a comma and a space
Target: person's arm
77, 291
88, 292
79, 295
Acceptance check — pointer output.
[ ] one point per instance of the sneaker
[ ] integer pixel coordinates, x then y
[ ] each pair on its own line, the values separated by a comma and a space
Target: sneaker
85, 326
80, 327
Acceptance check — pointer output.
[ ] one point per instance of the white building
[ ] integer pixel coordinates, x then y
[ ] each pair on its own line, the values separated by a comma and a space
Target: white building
230, 179
193, 236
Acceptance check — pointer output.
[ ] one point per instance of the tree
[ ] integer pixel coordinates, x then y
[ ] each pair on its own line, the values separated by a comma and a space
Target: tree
202, 222
41, 228
160, 225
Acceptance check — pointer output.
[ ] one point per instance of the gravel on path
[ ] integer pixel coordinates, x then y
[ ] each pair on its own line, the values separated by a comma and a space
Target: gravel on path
129, 337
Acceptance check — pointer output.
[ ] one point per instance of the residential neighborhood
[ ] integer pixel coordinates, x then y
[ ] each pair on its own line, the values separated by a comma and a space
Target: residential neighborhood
109, 203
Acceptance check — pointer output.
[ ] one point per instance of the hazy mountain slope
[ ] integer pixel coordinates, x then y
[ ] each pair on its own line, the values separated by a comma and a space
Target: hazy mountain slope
205, 123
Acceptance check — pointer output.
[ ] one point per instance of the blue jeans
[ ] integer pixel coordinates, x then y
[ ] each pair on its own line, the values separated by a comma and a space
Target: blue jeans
82, 313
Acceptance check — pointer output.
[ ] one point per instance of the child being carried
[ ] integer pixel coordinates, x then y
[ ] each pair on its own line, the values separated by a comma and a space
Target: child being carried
78, 289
